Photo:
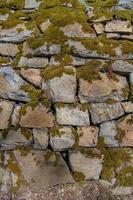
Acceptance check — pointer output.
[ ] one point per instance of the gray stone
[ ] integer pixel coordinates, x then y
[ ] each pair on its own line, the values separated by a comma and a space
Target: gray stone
91, 167
35, 62
101, 112
124, 4
47, 51
16, 138
123, 191
41, 138
10, 85
108, 131
61, 89
6, 108
32, 75
118, 26
88, 136
31, 4
8, 49
76, 61
14, 36
73, 116
131, 78
75, 30
103, 89
127, 106
15, 115
3, 17
122, 66
64, 140
36, 170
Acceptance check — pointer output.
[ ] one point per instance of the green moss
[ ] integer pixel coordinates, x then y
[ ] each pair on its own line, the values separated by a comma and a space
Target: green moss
91, 153
124, 15
78, 176
125, 177
110, 101
130, 121
26, 133
56, 132
4, 60
89, 72
1, 109
126, 91
52, 157
120, 135
52, 72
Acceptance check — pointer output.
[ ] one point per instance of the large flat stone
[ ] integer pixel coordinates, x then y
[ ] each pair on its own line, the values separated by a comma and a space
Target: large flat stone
36, 170
101, 112
118, 26
41, 138
122, 66
38, 117
10, 85
61, 89
101, 90
91, 167
73, 116
31, 4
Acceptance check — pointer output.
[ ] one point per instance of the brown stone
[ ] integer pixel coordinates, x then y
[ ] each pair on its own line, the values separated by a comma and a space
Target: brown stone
38, 117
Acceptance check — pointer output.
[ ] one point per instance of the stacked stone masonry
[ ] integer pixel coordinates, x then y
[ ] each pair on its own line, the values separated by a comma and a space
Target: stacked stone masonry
66, 93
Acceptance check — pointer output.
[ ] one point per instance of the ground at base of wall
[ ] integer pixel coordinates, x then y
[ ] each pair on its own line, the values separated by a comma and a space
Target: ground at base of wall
92, 190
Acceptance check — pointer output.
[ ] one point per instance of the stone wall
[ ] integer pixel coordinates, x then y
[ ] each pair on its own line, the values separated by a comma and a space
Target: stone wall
66, 92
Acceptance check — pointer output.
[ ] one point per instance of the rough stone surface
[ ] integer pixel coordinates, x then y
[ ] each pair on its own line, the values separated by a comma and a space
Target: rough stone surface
90, 167
31, 4
62, 141
38, 117
128, 106
10, 85
99, 28
118, 26
101, 112
16, 138
125, 130
68, 115
41, 138
108, 131
33, 62
32, 75
88, 136
15, 115
61, 89
122, 66
6, 108
8, 49
101, 90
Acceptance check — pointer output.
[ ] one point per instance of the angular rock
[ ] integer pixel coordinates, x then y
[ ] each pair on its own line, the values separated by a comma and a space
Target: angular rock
124, 4
73, 116
32, 75
108, 131
42, 51
37, 170
6, 108
101, 90
76, 61
16, 138
131, 78
3, 17
99, 28
127, 106
14, 36
122, 66
125, 131
38, 117
10, 85
31, 4
15, 115
38, 63
44, 26
75, 30
80, 51
41, 138
123, 191
63, 139
8, 49
118, 26
88, 136
61, 89
101, 112
91, 167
